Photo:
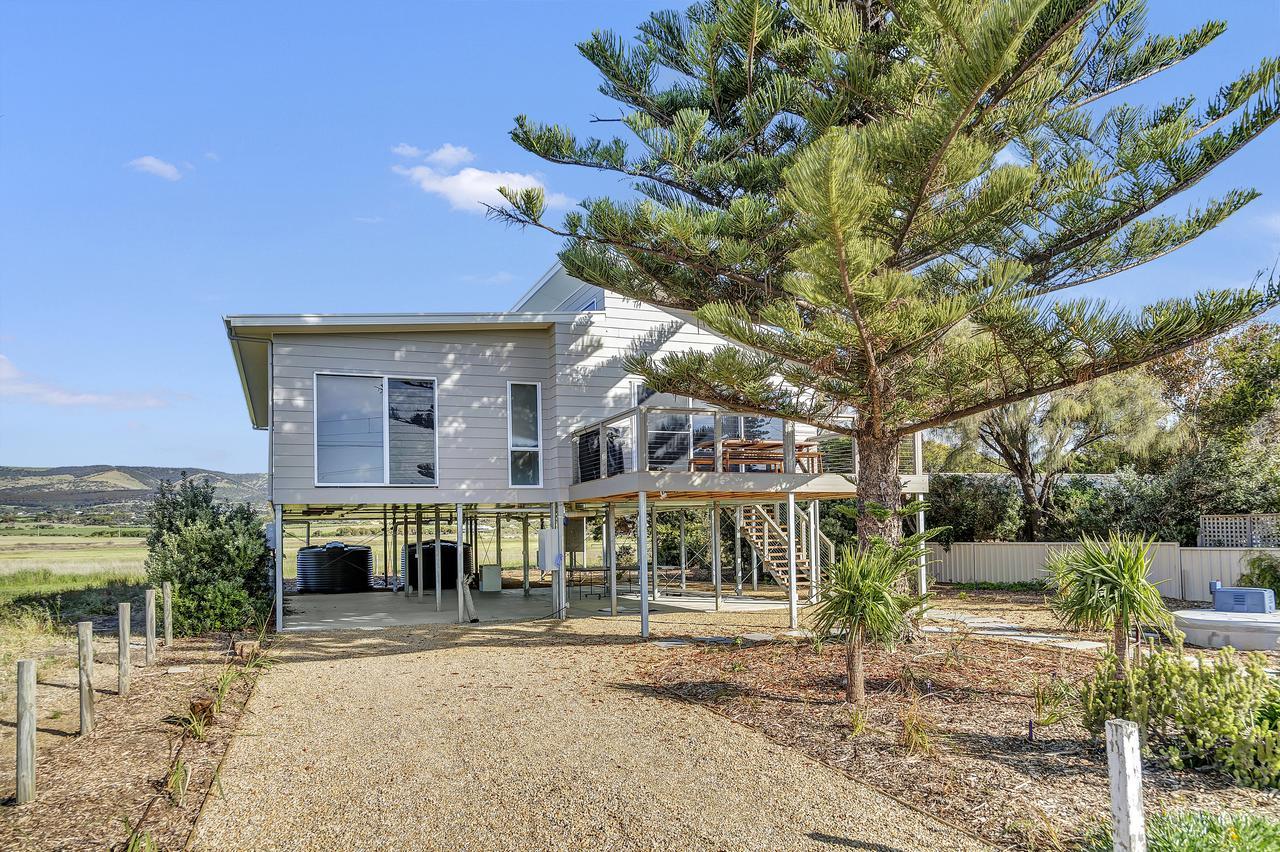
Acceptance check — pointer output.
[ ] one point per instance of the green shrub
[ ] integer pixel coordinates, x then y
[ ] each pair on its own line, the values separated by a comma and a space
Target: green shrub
214, 554
1197, 831
1263, 572
992, 586
1194, 712
974, 508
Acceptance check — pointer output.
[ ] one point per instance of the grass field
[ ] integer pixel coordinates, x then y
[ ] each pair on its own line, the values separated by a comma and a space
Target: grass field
53, 576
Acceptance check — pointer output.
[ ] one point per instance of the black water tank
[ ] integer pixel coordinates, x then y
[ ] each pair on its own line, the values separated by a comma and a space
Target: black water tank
335, 567
448, 556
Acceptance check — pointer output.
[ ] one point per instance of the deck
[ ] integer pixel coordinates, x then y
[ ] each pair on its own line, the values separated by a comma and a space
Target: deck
701, 453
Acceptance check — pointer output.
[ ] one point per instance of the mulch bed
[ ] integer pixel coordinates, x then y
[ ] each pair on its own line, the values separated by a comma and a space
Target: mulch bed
976, 696
95, 792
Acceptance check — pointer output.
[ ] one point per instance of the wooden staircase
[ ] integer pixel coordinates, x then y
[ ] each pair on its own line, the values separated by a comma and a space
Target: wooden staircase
764, 528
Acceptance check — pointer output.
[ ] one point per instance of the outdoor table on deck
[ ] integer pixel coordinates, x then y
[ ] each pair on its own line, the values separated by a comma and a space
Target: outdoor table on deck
768, 454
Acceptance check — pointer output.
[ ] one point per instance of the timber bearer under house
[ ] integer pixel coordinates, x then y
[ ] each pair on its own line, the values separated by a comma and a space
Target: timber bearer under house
437, 439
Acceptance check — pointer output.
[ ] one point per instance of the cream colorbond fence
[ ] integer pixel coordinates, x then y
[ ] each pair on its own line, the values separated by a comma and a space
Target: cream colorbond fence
1181, 572
1202, 564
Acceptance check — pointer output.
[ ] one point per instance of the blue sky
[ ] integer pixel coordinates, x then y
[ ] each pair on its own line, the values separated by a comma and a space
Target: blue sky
163, 164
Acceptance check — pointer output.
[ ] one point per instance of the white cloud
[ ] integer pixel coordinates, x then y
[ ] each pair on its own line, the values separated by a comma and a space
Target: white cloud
404, 149
472, 188
450, 156
1271, 222
155, 166
17, 385
212, 155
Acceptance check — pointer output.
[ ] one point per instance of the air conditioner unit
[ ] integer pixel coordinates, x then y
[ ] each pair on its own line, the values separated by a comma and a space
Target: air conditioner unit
1241, 599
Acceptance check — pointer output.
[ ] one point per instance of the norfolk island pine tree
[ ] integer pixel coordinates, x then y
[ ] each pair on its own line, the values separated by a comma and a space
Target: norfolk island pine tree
885, 205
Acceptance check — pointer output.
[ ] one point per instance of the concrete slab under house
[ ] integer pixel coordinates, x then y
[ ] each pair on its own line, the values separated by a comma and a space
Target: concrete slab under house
506, 466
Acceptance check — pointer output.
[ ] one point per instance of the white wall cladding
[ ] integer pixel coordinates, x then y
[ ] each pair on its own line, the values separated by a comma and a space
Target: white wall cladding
591, 381
1181, 572
472, 369
578, 362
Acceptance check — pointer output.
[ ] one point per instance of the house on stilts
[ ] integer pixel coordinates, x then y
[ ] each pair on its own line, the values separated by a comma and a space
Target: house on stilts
443, 430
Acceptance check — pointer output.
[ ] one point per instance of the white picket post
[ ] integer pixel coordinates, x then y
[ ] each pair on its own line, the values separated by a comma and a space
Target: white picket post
1124, 762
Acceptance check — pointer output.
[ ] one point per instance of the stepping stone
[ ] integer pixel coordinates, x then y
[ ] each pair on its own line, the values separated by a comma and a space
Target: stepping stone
1029, 640
756, 638
713, 640
798, 634
177, 670
670, 643
1080, 645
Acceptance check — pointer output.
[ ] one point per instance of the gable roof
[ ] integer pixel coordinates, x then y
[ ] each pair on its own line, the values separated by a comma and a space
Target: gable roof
556, 290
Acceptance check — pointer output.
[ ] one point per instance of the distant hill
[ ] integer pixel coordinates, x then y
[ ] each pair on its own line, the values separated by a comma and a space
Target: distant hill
113, 488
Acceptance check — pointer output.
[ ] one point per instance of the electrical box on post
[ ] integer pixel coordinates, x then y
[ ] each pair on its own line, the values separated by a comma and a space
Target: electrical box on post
549, 556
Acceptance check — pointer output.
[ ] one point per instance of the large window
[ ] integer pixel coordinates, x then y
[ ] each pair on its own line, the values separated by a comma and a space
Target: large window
524, 431
375, 430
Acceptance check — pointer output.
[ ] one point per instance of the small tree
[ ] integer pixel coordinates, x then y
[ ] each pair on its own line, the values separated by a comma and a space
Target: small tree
861, 595
215, 554
1039, 440
1104, 583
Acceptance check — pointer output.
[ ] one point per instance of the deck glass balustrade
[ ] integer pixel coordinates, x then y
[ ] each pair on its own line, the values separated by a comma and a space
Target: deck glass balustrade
709, 440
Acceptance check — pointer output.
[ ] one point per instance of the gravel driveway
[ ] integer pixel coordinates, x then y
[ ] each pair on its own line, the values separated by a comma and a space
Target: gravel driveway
523, 737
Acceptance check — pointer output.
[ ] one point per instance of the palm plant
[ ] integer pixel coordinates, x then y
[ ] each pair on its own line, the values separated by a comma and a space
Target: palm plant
1103, 583
861, 595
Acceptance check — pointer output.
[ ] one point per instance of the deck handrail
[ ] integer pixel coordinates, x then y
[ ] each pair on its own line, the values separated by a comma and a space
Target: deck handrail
842, 459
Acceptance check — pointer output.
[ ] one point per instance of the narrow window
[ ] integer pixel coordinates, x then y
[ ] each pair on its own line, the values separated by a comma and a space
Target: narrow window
524, 430
349, 430
411, 431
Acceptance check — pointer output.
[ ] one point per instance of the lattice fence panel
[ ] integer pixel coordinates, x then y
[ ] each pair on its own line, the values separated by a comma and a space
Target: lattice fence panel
1239, 531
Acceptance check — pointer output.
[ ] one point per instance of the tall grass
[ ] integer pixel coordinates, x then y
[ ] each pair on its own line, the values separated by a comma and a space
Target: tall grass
46, 580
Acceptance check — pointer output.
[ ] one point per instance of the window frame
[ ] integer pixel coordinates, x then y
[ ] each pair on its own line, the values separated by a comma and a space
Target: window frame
512, 448
385, 378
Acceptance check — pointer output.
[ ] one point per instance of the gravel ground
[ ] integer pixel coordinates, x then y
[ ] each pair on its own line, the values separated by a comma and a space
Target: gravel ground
530, 736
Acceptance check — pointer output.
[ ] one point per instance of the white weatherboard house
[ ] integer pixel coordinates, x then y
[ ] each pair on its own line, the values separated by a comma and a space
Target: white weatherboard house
527, 417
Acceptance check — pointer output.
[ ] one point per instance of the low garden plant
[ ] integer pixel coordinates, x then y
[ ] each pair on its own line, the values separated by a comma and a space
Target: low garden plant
1215, 713
1262, 571
1196, 831
993, 586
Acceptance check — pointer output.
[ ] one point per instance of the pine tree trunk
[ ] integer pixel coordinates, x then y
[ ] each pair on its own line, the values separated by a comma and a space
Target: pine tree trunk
1122, 647
855, 691
1030, 512
878, 489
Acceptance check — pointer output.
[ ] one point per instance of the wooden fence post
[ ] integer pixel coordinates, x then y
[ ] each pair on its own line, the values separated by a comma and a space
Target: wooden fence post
149, 608
84, 631
122, 687
166, 595
1124, 762
26, 731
